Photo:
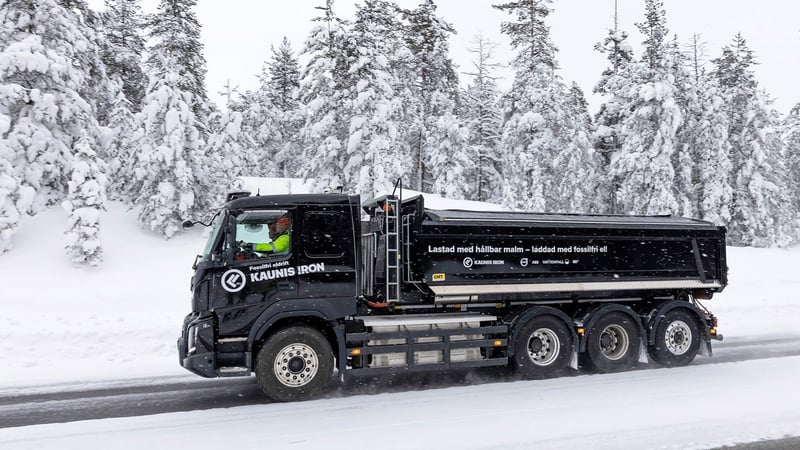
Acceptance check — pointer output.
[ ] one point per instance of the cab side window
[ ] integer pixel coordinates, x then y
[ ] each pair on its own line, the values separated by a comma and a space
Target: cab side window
323, 234
262, 234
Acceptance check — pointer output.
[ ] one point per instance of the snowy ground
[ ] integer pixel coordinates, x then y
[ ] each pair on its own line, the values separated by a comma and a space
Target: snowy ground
63, 326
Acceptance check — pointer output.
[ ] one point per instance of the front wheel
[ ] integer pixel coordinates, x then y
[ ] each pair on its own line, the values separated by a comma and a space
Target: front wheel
294, 364
613, 343
542, 347
677, 339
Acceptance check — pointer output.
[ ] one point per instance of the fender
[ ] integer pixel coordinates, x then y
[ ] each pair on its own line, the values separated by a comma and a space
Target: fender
657, 315
590, 318
521, 317
329, 310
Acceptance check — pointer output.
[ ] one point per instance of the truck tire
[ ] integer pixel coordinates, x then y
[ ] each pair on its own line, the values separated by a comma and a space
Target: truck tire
542, 347
613, 343
677, 339
294, 364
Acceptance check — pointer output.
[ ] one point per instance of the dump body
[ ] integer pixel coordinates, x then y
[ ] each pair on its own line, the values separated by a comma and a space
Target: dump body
467, 256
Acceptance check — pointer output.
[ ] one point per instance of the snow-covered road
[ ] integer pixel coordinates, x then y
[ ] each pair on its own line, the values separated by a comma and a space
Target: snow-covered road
700, 406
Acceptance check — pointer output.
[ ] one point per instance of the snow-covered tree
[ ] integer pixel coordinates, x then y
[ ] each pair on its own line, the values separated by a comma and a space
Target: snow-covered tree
615, 86
85, 201
231, 155
123, 21
49, 66
791, 142
280, 81
170, 167
120, 148
761, 212
372, 162
483, 119
540, 128
643, 165
432, 82
321, 94
175, 33
450, 159
704, 142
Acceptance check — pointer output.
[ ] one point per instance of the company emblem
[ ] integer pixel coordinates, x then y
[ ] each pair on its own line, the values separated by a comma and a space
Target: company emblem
233, 280
468, 262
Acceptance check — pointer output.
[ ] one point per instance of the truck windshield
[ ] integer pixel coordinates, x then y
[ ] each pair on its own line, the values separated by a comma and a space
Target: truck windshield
216, 226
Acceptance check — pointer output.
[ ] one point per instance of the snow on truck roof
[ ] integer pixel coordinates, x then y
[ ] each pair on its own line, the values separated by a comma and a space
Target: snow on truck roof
549, 219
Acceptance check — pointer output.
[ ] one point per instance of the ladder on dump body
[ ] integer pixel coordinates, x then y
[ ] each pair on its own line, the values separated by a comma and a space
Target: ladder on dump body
391, 214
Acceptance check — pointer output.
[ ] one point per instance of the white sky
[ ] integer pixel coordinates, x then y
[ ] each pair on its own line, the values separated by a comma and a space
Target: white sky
237, 35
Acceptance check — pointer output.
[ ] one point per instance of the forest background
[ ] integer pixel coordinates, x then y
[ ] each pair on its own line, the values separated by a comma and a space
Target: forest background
114, 105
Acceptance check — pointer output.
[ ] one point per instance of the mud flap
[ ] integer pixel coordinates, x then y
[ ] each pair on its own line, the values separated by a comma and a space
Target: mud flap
573, 360
643, 358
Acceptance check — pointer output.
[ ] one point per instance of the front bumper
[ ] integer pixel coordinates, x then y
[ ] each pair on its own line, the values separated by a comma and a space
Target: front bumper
196, 352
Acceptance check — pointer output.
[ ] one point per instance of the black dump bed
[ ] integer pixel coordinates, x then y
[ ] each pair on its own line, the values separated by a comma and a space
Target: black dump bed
465, 256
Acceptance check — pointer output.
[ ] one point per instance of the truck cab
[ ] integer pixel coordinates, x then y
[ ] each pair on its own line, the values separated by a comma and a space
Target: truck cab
244, 284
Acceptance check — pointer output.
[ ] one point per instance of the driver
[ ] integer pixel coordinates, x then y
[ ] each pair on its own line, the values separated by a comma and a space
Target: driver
279, 233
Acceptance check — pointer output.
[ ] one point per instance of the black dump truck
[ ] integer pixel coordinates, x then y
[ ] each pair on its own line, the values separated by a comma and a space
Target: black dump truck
390, 285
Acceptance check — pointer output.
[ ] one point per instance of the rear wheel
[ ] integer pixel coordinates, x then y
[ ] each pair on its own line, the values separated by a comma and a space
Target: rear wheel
294, 364
613, 343
677, 339
542, 347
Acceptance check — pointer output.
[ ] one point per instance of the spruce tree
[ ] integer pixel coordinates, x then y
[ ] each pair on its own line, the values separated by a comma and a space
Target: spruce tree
540, 130
85, 201
450, 159
321, 94
281, 80
123, 21
433, 83
791, 142
175, 33
171, 180
49, 73
121, 148
615, 84
483, 120
643, 165
760, 212
372, 162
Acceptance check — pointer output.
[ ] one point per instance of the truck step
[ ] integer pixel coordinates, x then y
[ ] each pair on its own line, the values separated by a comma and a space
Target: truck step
233, 371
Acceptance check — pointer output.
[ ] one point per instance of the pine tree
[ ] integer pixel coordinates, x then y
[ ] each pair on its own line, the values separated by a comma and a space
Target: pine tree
84, 203
791, 142
433, 82
170, 169
760, 212
643, 165
123, 22
232, 155
704, 137
321, 94
540, 130
483, 120
281, 81
615, 84
121, 148
450, 160
48, 70
372, 162
175, 33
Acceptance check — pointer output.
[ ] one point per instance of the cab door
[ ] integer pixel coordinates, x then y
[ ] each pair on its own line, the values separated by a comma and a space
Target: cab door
257, 275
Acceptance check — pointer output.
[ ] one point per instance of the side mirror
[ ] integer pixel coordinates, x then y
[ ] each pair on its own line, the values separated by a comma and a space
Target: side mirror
187, 224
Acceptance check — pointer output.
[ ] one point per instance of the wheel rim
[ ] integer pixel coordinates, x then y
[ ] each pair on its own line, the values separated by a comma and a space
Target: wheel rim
296, 365
678, 337
614, 342
543, 346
